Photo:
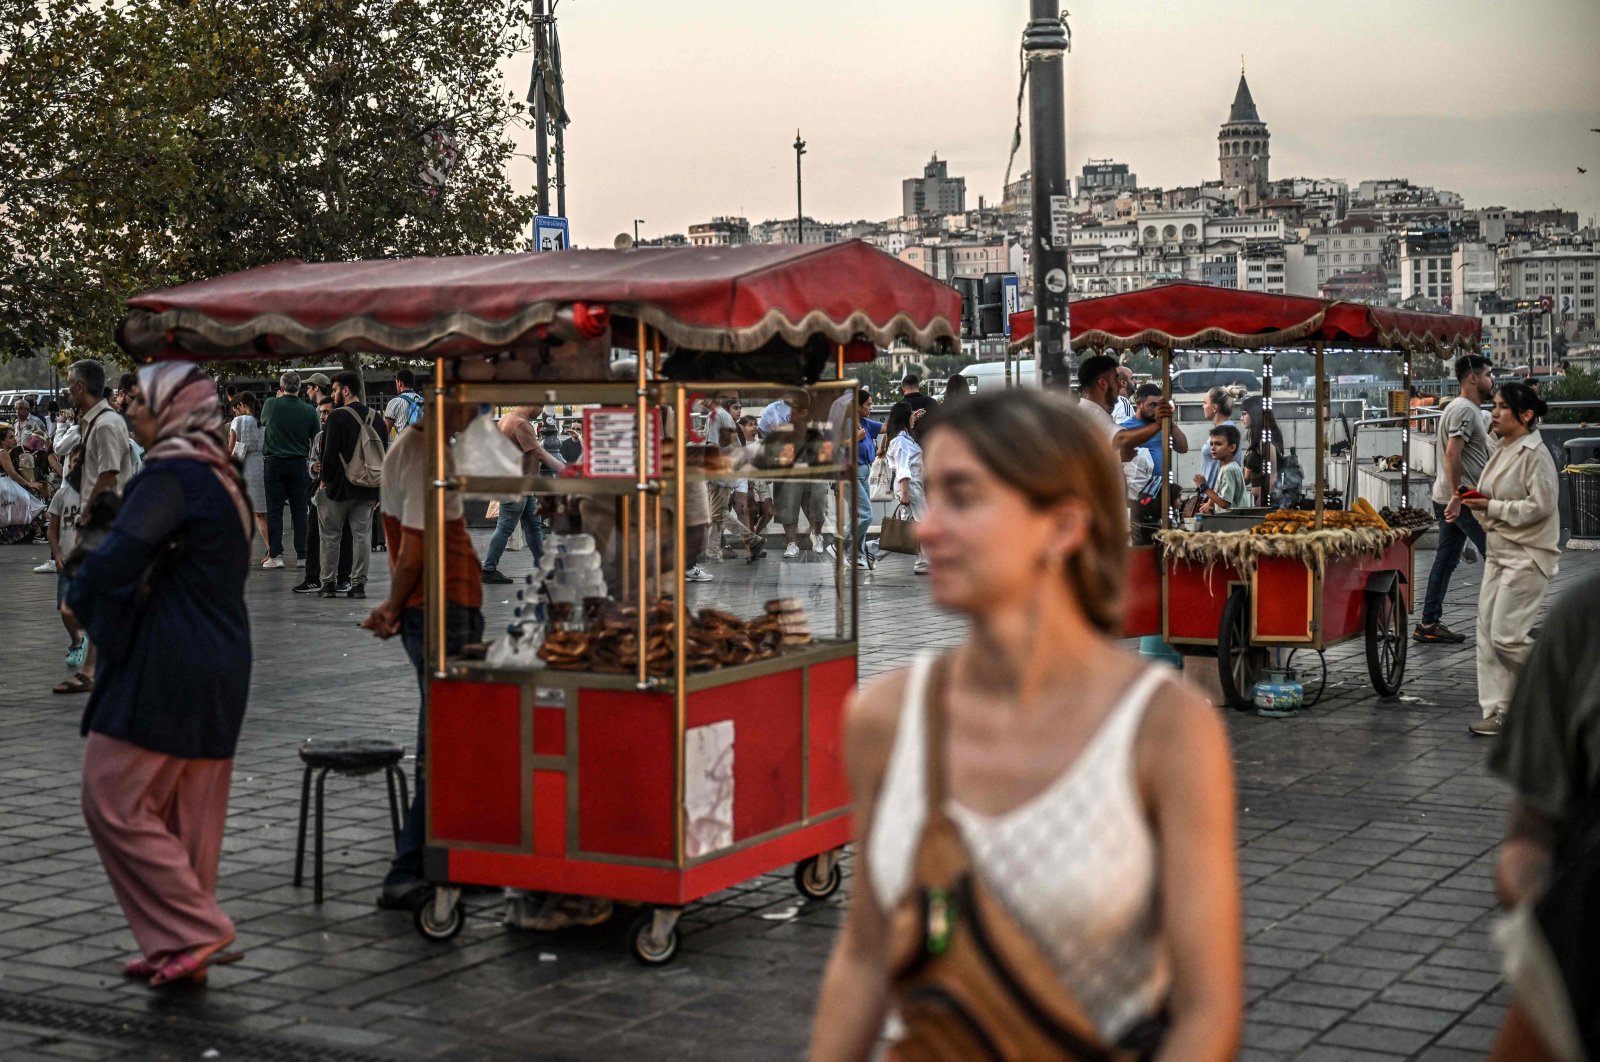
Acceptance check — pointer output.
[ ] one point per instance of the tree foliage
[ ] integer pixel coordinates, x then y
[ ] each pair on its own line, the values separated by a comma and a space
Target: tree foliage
145, 143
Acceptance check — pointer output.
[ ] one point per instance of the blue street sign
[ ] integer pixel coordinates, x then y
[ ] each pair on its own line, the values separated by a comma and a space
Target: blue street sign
1013, 289
550, 233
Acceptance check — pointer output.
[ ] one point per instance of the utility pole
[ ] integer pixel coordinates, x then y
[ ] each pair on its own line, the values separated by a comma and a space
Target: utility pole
799, 202
541, 117
636, 223
1044, 45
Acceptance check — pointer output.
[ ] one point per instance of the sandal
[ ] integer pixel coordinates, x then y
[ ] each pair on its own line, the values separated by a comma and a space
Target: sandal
79, 683
143, 969
191, 966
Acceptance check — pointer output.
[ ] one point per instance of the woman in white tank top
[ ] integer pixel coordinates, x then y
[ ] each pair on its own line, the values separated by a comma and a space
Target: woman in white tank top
1093, 794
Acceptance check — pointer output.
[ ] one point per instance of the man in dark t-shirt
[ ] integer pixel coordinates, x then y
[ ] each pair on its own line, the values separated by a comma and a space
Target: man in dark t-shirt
911, 393
288, 425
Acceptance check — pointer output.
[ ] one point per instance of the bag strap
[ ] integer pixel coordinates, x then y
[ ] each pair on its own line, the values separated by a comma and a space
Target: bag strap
936, 745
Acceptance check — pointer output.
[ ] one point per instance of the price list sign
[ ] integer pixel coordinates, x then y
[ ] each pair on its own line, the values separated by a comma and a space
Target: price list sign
611, 443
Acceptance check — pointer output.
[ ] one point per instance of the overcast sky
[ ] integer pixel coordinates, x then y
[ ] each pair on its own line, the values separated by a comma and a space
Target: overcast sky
686, 110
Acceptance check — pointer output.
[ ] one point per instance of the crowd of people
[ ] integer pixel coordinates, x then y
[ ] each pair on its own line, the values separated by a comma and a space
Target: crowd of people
151, 493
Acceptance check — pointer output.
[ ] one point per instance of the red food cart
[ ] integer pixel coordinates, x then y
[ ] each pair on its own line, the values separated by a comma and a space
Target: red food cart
1240, 594
674, 745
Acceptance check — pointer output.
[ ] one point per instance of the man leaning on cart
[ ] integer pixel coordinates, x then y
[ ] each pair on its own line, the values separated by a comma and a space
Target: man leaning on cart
403, 499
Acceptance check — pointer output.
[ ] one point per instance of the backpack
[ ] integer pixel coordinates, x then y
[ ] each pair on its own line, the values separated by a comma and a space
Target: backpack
364, 467
413, 409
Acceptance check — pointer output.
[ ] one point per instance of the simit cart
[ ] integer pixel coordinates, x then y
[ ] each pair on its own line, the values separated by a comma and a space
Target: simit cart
1270, 581
668, 737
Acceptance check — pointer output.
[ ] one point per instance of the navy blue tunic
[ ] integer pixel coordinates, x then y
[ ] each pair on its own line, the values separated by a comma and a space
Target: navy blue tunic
172, 677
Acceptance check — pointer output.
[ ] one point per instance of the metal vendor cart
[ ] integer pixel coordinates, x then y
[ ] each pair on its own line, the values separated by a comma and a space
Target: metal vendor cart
1305, 584
667, 737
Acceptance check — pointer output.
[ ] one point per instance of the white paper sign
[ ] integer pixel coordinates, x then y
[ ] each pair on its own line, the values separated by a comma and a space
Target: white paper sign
708, 788
1061, 222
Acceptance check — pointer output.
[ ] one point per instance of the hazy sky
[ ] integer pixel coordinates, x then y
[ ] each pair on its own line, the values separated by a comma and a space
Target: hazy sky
686, 110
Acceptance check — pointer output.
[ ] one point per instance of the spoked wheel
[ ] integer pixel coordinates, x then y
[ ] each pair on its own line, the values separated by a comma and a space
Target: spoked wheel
1239, 664
1386, 639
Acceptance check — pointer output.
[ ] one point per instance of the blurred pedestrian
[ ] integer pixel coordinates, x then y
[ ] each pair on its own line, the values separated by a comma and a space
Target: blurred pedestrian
1516, 501
244, 443
288, 423
1460, 449
956, 388
21, 499
105, 457
405, 408
1218, 409
1263, 449
522, 512
162, 597
1550, 859
905, 459
1037, 807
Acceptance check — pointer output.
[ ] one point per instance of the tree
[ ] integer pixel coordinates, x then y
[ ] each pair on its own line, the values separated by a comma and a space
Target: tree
145, 143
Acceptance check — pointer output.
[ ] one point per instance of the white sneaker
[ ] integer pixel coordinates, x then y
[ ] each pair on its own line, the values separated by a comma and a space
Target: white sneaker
272, 562
698, 574
816, 543
791, 551
861, 562
47, 568
919, 568
299, 562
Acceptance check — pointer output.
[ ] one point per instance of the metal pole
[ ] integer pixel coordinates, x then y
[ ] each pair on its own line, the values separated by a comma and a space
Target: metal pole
799, 203
561, 170
1044, 45
541, 119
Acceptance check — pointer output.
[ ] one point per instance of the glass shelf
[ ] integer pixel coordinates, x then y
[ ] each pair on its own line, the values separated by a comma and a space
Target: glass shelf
506, 486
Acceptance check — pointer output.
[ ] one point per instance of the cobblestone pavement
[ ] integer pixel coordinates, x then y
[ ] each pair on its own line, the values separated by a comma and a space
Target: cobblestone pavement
1367, 830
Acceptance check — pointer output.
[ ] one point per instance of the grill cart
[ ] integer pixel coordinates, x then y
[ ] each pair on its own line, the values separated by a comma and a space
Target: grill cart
667, 737
1271, 580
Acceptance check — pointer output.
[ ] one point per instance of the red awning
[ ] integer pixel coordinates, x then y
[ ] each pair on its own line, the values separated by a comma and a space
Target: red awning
725, 299
1177, 316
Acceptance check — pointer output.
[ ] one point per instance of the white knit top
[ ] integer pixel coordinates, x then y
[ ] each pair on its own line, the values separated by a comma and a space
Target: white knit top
1075, 865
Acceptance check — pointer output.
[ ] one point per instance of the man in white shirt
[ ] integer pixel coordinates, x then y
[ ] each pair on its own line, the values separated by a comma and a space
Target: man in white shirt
405, 408
1124, 409
105, 460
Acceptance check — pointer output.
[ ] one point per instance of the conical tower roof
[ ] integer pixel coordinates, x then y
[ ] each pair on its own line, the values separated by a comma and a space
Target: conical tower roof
1244, 108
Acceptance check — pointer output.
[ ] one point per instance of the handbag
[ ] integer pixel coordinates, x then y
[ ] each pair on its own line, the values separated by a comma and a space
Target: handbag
880, 480
968, 980
898, 533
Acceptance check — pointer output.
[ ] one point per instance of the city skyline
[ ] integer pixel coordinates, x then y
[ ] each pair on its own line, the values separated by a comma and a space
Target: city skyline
1349, 99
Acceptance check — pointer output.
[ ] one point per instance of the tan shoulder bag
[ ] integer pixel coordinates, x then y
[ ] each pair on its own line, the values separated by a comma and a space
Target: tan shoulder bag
968, 981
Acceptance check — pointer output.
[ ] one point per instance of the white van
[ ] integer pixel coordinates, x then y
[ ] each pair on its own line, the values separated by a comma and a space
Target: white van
985, 376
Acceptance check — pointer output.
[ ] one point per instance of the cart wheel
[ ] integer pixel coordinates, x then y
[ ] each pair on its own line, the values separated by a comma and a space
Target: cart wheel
430, 926
1386, 640
1239, 664
813, 885
648, 952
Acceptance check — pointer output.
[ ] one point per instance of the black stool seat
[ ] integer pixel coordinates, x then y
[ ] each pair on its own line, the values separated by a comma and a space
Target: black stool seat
351, 757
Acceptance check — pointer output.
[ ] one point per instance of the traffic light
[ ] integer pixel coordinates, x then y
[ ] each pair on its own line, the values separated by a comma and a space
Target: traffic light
992, 306
971, 289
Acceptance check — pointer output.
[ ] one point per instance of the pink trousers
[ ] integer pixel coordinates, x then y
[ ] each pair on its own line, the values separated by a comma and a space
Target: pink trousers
157, 823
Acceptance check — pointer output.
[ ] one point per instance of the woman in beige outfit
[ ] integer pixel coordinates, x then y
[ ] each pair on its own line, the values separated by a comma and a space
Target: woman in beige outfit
1517, 505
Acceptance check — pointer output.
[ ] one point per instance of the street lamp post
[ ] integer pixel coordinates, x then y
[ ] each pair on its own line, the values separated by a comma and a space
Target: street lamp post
799, 202
636, 223
1044, 45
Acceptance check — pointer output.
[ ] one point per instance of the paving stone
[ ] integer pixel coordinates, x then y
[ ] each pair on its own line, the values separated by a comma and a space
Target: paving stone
1367, 833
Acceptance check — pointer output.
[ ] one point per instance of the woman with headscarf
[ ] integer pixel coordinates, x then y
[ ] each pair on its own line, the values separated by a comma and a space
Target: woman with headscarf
162, 597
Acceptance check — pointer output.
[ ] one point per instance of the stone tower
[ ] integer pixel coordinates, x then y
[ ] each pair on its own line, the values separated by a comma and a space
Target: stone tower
1243, 148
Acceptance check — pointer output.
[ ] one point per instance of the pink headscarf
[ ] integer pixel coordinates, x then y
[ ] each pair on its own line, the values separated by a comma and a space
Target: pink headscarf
189, 423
